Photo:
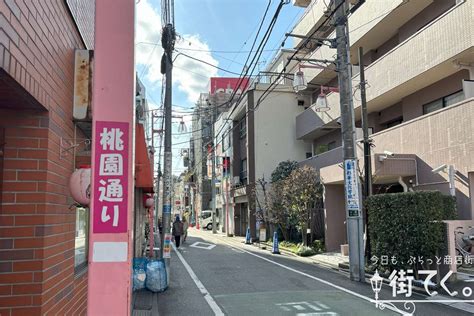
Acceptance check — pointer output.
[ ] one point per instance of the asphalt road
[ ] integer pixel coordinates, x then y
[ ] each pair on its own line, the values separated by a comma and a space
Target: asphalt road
217, 276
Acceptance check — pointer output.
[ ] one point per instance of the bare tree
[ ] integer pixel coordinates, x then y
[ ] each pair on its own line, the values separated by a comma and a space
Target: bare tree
302, 191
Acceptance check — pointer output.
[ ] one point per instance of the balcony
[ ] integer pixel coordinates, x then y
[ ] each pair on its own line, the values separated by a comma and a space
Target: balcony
312, 18
423, 59
369, 27
442, 137
325, 159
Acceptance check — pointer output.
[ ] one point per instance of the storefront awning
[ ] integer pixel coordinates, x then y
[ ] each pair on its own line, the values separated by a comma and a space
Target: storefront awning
143, 163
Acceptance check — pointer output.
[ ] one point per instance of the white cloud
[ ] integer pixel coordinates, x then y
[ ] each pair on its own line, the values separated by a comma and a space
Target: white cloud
189, 76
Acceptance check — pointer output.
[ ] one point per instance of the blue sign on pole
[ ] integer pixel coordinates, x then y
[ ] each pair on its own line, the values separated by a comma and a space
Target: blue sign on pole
167, 209
352, 187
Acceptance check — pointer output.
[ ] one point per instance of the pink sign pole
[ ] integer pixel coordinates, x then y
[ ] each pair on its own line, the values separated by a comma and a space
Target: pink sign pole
111, 211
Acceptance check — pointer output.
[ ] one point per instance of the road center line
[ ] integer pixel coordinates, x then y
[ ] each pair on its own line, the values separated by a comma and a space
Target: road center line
207, 296
314, 278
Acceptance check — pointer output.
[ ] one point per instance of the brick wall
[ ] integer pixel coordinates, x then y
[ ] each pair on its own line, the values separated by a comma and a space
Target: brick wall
37, 42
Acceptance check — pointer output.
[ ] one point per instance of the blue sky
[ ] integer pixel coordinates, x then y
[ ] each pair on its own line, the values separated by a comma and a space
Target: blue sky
211, 30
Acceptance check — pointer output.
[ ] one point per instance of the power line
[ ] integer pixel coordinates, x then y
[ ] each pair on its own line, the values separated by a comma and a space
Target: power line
210, 50
272, 86
204, 62
260, 47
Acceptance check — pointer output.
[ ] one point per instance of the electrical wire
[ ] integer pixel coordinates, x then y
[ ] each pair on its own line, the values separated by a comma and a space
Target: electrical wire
272, 86
212, 50
259, 51
204, 62
260, 99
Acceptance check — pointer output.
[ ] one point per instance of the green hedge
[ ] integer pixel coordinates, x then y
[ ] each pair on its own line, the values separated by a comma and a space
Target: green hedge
408, 224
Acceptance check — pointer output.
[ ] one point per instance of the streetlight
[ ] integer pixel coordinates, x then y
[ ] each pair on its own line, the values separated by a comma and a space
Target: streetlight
299, 82
182, 127
322, 102
376, 283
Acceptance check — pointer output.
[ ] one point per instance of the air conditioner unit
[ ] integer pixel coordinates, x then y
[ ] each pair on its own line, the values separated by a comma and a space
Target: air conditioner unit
236, 181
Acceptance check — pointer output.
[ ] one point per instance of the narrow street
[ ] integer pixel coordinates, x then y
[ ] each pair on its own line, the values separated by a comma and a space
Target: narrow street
238, 279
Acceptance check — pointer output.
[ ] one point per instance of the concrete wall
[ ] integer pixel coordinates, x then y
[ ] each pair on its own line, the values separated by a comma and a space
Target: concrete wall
275, 134
413, 103
442, 137
335, 217
334, 136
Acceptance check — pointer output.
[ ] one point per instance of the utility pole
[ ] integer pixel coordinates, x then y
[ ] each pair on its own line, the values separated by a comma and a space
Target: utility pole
355, 227
213, 182
365, 128
158, 176
367, 143
158, 179
167, 40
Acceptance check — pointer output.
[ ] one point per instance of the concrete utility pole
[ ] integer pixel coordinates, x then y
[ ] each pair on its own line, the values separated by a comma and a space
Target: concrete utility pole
213, 182
365, 127
367, 144
355, 227
167, 40
157, 184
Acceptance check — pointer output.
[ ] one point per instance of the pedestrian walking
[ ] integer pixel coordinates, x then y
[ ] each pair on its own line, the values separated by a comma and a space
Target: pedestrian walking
185, 228
177, 231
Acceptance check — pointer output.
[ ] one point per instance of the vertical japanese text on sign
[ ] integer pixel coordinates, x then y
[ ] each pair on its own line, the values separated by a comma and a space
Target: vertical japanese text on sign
111, 177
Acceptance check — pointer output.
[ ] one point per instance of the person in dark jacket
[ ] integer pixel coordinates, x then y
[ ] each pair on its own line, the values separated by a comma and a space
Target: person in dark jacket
177, 231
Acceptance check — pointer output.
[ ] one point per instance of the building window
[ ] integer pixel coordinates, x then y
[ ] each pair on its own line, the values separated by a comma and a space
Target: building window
243, 128
433, 106
443, 102
394, 122
321, 149
332, 145
243, 171
206, 131
81, 241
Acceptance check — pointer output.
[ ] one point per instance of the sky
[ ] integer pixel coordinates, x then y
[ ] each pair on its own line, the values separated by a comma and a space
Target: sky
219, 32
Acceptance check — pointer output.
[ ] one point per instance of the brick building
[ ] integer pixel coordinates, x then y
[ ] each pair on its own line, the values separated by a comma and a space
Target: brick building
39, 272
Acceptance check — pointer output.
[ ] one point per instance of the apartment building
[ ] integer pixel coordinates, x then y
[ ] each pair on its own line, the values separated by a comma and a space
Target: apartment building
419, 67
200, 183
211, 109
264, 134
223, 141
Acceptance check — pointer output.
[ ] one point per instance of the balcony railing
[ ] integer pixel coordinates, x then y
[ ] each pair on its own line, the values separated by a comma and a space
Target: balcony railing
426, 57
325, 159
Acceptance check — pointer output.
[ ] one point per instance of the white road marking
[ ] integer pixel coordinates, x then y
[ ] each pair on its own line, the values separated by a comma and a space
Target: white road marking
317, 279
299, 306
321, 304
202, 245
318, 314
207, 296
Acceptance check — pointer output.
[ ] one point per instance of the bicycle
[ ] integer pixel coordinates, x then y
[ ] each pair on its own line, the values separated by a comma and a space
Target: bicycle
463, 246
